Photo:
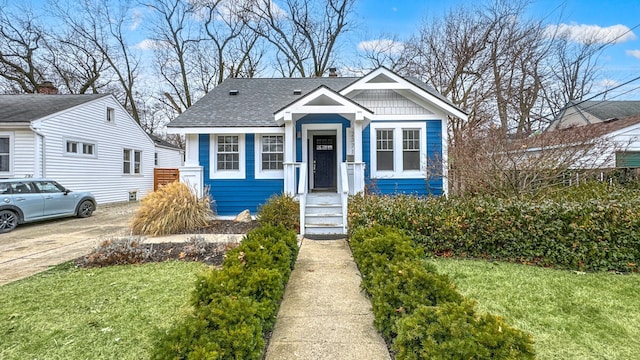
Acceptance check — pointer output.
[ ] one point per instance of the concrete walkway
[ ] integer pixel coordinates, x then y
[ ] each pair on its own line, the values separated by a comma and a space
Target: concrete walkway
324, 315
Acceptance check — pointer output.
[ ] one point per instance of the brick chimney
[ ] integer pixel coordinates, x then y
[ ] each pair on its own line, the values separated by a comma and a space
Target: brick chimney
47, 88
332, 72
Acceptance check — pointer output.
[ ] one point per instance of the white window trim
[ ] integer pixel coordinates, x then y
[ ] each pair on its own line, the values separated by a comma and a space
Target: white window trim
398, 172
132, 161
110, 115
266, 174
12, 151
80, 148
214, 173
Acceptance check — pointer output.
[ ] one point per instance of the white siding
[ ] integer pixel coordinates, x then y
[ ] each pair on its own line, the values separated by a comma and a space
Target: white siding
389, 102
102, 173
169, 158
24, 154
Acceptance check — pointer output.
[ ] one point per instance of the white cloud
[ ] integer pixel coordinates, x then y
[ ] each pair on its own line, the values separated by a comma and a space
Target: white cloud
584, 34
607, 83
136, 19
147, 44
634, 53
382, 45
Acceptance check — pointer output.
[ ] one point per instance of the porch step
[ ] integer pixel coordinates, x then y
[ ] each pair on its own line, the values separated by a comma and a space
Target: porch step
323, 214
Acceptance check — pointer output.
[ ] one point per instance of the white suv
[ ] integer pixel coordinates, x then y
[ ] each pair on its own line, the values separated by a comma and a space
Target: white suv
27, 200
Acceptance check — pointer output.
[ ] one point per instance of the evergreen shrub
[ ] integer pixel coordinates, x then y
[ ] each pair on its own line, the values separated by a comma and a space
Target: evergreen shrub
236, 305
280, 210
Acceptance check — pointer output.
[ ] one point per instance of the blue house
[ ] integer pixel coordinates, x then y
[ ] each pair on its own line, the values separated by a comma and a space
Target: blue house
318, 139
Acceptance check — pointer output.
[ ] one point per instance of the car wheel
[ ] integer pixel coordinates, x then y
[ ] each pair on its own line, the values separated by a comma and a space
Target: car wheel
85, 209
8, 221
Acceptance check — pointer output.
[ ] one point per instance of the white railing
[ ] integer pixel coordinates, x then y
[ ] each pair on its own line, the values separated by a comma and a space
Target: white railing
344, 193
355, 173
302, 194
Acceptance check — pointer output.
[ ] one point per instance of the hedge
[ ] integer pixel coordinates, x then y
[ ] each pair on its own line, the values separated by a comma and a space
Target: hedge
235, 306
566, 232
419, 312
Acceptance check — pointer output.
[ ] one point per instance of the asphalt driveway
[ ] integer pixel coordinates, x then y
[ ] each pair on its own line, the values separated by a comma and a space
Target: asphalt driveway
32, 248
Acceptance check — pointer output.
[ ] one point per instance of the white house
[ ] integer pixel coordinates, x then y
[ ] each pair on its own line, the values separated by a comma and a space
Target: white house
167, 154
85, 142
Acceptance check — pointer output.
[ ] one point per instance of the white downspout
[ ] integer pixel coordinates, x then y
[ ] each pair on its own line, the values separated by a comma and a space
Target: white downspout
40, 154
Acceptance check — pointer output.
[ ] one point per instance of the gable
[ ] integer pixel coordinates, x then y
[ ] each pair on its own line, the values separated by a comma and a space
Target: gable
323, 100
389, 102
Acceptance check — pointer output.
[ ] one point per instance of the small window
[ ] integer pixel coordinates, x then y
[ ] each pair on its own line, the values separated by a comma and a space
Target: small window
111, 115
384, 149
228, 153
126, 161
155, 159
88, 149
5, 153
72, 147
272, 152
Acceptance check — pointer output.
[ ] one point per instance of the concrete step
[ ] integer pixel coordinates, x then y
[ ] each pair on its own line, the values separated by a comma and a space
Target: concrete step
323, 219
325, 229
324, 199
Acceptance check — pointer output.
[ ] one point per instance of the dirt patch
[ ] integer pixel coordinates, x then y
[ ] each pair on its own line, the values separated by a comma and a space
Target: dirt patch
133, 250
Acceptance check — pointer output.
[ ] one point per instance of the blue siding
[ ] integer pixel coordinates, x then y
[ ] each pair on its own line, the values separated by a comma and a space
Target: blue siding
235, 195
322, 119
419, 186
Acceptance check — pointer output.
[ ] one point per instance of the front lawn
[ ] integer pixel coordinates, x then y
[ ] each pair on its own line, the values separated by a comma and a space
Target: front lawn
571, 315
102, 313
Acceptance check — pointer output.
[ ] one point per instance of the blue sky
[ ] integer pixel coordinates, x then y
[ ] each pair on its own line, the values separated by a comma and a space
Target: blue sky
620, 62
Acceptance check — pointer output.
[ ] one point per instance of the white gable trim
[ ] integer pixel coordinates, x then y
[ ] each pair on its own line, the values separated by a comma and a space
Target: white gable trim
225, 130
400, 84
340, 105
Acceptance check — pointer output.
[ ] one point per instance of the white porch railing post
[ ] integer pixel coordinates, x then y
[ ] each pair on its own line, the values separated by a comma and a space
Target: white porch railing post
344, 192
302, 195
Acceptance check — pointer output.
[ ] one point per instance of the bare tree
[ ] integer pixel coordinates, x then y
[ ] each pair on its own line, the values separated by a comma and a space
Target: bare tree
99, 24
21, 41
175, 38
304, 33
236, 51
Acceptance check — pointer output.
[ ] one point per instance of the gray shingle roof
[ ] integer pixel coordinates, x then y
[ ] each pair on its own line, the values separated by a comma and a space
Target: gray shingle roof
254, 105
257, 100
611, 109
27, 108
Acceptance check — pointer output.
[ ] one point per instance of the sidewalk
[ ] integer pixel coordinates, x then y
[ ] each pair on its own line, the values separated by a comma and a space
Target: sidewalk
324, 315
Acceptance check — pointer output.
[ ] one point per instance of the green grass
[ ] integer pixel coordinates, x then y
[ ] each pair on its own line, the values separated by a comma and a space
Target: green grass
106, 313
571, 315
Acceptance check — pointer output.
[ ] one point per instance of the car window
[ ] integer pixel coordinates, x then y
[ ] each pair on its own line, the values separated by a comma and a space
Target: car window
22, 187
5, 188
49, 187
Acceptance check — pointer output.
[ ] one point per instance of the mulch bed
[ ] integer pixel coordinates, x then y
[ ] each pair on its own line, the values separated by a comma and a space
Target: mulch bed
134, 251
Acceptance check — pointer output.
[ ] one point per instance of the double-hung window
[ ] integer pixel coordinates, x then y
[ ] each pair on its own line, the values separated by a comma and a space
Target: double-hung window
228, 156
5, 153
398, 149
131, 161
269, 156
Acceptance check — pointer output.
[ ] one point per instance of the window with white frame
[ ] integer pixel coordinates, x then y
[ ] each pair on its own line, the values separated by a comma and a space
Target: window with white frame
5, 153
111, 115
269, 156
131, 161
228, 155
398, 149
74, 147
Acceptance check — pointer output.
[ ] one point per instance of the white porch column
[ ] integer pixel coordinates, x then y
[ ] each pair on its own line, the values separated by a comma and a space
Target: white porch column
358, 166
289, 154
191, 173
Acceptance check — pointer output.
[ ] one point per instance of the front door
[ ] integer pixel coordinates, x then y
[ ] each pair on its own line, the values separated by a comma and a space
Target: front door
324, 162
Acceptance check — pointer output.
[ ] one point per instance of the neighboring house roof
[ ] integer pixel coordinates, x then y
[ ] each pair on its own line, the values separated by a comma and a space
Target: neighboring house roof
27, 108
254, 104
163, 143
605, 110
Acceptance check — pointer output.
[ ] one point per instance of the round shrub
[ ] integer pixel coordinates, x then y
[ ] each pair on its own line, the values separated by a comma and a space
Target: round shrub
172, 209
280, 210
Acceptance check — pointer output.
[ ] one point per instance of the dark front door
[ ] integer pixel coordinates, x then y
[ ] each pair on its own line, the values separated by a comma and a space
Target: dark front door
324, 162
